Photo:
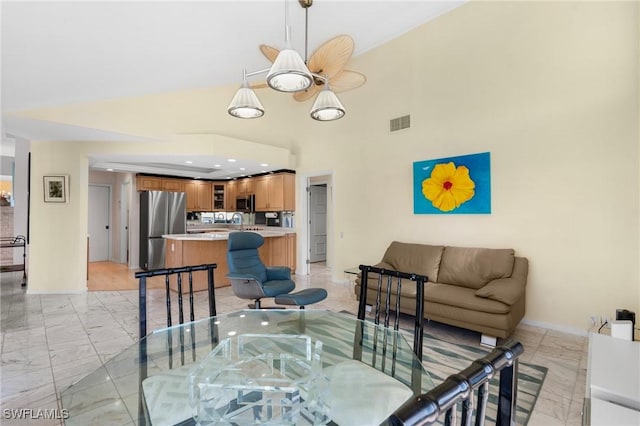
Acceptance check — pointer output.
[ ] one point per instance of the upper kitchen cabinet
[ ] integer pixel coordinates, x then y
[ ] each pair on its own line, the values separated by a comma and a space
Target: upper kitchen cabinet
174, 185
199, 195
219, 196
275, 192
148, 183
154, 183
232, 190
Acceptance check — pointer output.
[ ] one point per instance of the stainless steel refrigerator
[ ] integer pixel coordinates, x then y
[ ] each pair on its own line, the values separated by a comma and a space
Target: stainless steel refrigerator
160, 213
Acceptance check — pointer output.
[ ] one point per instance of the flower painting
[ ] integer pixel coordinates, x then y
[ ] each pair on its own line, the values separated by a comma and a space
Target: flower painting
452, 185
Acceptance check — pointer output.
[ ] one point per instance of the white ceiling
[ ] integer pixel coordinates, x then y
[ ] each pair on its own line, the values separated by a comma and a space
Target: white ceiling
55, 53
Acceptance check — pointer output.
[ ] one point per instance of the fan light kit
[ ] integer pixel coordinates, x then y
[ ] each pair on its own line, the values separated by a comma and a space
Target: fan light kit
290, 73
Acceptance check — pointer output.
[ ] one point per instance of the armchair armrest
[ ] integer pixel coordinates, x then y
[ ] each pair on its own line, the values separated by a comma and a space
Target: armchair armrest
278, 273
243, 277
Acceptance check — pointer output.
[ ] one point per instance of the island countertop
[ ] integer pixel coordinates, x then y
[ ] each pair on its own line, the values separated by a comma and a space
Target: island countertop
223, 234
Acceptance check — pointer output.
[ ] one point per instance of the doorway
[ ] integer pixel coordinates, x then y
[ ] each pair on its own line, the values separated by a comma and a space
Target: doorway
317, 223
99, 223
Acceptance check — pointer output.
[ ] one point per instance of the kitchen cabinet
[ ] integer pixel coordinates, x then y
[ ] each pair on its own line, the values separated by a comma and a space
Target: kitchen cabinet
232, 191
275, 192
154, 183
173, 185
219, 196
199, 195
291, 251
148, 183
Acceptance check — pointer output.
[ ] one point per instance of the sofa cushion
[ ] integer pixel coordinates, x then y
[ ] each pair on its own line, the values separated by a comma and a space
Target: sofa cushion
419, 259
463, 298
474, 267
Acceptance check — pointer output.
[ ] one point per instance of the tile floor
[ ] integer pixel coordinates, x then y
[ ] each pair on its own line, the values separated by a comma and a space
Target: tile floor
49, 342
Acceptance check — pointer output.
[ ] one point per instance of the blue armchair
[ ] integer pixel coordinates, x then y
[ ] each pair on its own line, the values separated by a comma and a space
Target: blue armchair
250, 278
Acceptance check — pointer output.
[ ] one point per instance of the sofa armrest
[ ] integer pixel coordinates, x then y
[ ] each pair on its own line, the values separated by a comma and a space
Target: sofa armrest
505, 290
508, 290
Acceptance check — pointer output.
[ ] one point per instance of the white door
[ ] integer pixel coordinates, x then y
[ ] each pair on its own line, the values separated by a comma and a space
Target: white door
124, 222
99, 222
318, 223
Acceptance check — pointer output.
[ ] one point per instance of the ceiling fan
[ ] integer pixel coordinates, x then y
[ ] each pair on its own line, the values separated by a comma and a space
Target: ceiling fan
322, 74
327, 61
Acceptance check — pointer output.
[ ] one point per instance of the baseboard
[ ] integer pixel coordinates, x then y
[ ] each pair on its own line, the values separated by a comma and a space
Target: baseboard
556, 327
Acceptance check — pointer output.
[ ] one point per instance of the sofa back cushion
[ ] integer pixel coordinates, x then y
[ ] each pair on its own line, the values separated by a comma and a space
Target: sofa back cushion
421, 259
474, 267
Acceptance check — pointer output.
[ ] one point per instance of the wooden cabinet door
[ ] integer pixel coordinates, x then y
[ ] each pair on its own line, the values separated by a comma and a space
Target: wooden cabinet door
277, 251
205, 196
275, 192
173, 185
291, 251
148, 183
289, 192
249, 186
191, 188
261, 188
232, 191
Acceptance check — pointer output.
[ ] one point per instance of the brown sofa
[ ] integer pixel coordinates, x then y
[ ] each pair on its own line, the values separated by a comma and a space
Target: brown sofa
479, 289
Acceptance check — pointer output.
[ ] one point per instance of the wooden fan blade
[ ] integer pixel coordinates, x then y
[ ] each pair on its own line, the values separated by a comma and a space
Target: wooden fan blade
330, 58
306, 94
259, 85
270, 52
347, 80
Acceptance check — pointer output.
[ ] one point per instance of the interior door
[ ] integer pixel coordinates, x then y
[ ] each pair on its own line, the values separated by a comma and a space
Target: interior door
99, 222
318, 223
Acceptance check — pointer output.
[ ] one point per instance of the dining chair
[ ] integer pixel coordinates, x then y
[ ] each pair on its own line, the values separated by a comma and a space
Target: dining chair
181, 364
378, 297
383, 296
250, 278
454, 398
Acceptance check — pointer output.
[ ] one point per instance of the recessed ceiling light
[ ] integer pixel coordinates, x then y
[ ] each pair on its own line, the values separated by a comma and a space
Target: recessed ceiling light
216, 165
189, 162
109, 170
263, 165
263, 171
241, 168
231, 160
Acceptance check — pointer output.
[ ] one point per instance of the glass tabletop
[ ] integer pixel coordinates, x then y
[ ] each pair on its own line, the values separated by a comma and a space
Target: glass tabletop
367, 372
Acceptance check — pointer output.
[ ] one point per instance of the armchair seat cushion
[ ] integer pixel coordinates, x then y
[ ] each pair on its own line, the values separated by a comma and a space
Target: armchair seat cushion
275, 287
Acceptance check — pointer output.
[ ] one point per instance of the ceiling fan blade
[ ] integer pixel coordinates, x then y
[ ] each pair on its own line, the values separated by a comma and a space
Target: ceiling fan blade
270, 52
347, 80
261, 85
331, 57
306, 94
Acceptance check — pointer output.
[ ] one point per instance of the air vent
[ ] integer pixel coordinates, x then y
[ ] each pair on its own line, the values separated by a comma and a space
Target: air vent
400, 123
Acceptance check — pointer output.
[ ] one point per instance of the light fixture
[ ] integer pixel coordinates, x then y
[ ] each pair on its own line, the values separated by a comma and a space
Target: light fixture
327, 106
288, 73
245, 103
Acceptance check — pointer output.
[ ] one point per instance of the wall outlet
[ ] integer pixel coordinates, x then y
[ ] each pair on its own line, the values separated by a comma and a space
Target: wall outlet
593, 320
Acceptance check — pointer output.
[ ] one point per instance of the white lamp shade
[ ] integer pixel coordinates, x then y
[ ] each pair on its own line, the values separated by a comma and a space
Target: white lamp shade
327, 106
245, 104
289, 73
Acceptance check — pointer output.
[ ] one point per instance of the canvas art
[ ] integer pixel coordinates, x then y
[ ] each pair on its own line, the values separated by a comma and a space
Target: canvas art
453, 185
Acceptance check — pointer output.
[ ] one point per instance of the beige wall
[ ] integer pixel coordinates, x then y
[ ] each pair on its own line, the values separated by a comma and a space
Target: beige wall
549, 88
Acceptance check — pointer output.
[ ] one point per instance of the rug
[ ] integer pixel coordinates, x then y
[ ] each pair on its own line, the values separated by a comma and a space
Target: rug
442, 359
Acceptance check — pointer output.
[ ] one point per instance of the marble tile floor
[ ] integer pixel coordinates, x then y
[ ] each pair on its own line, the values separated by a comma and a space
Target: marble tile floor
49, 342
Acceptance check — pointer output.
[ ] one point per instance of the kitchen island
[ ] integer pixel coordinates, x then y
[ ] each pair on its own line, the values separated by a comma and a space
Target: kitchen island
279, 249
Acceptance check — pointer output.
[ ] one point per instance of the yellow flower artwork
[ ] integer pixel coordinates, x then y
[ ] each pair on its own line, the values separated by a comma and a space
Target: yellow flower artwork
448, 187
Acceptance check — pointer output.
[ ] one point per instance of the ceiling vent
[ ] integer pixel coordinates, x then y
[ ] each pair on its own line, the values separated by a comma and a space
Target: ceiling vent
400, 123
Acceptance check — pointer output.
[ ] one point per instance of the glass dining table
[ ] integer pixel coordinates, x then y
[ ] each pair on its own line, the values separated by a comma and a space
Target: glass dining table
272, 366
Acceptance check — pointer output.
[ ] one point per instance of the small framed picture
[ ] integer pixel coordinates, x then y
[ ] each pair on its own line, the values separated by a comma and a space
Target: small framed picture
56, 189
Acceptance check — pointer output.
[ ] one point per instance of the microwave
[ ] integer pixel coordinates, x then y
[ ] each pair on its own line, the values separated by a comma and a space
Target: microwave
246, 203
